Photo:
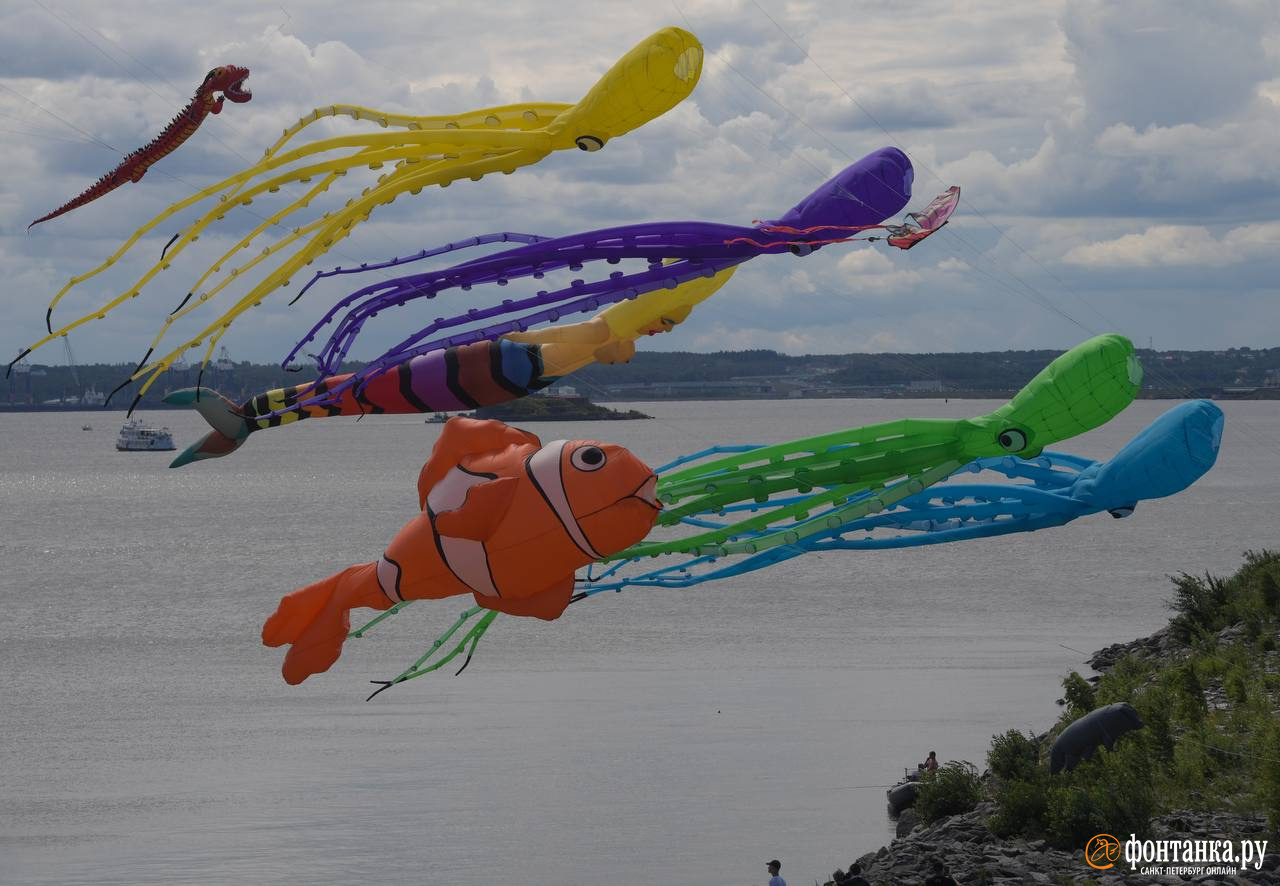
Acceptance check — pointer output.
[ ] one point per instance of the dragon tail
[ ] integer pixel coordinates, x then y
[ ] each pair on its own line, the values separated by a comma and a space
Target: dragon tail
135, 165
230, 427
101, 187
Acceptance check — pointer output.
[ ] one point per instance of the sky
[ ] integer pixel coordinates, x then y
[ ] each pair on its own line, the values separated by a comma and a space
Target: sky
1118, 160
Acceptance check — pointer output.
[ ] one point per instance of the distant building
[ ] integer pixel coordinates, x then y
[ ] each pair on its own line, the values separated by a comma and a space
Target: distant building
925, 384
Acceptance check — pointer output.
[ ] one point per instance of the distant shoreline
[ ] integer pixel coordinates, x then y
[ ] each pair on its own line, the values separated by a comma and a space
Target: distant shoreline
1235, 374
931, 395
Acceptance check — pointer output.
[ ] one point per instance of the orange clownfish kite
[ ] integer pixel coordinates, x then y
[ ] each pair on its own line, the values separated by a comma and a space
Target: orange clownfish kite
502, 517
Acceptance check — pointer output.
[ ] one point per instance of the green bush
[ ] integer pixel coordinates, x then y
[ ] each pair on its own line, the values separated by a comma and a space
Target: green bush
1154, 709
1237, 688
1079, 695
953, 789
1022, 809
1204, 606
1188, 702
1126, 680
1268, 781
1013, 755
1111, 793
1269, 593
1201, 605
1123, 786
1073, 817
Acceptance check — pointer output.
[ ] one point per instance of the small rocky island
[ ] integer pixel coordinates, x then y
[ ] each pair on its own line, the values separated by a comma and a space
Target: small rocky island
555, 407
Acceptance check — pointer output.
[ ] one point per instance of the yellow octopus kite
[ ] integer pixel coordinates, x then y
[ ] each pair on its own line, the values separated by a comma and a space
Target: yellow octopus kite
648, 81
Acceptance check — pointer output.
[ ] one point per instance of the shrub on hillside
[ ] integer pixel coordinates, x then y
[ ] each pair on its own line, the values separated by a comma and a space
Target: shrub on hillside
953, 789
1013, 755
1078, 694
1022, 808
1204, 606
1110, 793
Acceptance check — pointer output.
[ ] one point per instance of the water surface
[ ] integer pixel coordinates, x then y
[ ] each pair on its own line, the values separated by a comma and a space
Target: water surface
649, 736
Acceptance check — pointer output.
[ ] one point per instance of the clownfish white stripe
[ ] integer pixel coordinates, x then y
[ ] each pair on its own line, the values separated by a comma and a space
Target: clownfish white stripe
451, 492
469, 562
544, 468
465, 557
388, 572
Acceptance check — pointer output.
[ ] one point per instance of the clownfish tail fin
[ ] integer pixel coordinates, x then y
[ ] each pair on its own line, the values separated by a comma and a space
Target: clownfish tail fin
314, 620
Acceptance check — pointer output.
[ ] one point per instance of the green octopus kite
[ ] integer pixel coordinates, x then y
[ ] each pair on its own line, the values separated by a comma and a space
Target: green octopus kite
845, 475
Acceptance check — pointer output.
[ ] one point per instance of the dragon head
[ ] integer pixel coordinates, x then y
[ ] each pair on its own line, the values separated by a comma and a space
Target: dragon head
229, 80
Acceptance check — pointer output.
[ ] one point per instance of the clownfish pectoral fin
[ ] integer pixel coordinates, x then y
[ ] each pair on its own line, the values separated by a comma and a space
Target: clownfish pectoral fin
547, 605
462, 437
481, 513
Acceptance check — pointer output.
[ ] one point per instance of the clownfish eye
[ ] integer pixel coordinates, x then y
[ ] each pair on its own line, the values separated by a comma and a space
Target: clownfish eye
1012, 440
588, 143
587, 458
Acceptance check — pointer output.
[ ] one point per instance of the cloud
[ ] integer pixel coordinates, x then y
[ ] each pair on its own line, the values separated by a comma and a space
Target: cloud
1179, 246
1167, 62
1117, 160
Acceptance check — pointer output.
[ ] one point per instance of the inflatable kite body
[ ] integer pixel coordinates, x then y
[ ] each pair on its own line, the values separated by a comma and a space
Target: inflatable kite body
480, 374
797, 494
502, 517
686, 263
1056, 488
858, 198
1081, 739
1080, 390
228, 80
421, 152
483, 373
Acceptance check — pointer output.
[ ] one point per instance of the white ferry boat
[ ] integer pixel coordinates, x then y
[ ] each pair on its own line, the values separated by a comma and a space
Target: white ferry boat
135, 436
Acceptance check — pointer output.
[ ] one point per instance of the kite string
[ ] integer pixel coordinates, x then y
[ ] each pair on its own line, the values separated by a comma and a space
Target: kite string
1178, 383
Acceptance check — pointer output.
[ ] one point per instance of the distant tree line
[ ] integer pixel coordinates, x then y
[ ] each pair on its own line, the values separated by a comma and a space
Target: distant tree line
1174, 373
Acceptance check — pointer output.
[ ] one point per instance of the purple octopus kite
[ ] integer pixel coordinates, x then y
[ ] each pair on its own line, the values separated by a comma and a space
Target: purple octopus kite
473, 359
856, 200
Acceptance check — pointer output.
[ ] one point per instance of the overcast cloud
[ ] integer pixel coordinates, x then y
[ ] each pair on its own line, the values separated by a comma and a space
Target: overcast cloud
1129, 150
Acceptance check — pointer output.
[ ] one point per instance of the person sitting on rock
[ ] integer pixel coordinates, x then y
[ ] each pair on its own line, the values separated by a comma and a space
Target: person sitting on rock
940, 875
930, 763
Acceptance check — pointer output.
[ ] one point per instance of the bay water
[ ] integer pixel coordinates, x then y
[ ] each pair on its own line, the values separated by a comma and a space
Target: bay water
146, 736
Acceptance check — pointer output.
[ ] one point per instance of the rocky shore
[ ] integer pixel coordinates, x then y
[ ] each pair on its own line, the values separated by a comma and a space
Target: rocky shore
975, 855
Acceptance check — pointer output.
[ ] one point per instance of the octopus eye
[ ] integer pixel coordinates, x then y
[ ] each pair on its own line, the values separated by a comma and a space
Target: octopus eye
588, 143
801, 248
588, 458
1012, 440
